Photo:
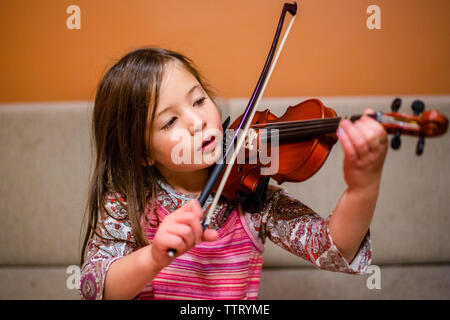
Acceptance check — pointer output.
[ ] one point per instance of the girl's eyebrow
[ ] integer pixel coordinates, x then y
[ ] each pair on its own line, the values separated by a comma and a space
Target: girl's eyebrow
187, 95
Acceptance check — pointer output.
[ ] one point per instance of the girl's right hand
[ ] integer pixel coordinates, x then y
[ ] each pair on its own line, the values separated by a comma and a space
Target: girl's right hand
181, 230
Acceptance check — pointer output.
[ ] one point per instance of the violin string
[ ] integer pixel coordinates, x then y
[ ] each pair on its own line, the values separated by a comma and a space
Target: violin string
309, 127
288, 124
296, 123
304, 128
301, 133
304, 131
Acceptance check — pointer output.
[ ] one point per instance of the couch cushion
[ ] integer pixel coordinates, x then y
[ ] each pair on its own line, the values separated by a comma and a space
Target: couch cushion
395, 282
412, 214
37, 283
44, 169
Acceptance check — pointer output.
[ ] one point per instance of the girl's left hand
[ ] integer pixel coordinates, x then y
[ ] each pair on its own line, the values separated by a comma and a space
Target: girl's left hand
365, 145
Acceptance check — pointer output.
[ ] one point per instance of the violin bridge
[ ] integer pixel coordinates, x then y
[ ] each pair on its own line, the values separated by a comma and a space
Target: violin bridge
250, 139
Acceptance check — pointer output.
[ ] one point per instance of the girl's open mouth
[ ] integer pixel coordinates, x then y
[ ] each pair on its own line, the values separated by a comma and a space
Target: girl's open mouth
209, 143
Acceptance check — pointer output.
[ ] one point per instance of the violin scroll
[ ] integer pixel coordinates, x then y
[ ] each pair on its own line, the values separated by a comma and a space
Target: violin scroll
421, 124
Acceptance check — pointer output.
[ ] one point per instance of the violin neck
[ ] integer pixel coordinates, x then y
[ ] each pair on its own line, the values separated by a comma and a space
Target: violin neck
305, 129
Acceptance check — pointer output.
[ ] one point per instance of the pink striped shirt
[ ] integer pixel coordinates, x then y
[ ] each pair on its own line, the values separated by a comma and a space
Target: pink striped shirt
228, 268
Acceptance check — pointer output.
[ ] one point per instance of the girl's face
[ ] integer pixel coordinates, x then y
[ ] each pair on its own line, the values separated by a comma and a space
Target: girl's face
187, 130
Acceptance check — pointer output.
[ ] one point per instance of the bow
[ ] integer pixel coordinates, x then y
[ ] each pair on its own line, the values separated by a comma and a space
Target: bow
243, 127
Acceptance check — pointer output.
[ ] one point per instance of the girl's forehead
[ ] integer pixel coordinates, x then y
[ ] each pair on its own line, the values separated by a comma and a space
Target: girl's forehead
175, 74
177, 83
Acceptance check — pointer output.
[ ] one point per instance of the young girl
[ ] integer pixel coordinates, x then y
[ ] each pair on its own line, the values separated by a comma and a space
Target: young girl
142, 202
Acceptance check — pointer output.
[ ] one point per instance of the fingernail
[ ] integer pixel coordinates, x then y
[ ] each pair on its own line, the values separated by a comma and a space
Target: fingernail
340, 131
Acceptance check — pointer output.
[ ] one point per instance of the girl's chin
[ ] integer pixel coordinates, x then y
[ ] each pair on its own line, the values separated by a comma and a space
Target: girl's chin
197, 161
187, 167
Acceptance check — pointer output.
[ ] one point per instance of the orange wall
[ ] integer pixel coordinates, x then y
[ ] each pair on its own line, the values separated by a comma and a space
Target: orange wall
330, 51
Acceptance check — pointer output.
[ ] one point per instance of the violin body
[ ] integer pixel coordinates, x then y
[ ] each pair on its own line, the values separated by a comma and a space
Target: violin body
298, 158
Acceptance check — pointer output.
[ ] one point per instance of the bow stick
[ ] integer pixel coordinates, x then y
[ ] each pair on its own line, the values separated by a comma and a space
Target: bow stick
243, 127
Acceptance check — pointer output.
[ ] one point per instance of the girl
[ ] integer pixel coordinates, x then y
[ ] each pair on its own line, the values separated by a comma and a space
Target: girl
142, 202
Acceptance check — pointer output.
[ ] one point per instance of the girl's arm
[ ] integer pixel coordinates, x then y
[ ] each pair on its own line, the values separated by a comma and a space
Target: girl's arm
130, 274
365, 145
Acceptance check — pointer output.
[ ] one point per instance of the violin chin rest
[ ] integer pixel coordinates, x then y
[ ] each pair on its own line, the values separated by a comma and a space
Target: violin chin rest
254, 202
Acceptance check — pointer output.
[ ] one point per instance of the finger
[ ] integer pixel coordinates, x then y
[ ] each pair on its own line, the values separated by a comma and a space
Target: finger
346, 144
379, 130
192, 220
184, 232
174, 242
368, 111
190, 206
194, 206
210, 235
197, 230
356, 138
184, 216
369, 134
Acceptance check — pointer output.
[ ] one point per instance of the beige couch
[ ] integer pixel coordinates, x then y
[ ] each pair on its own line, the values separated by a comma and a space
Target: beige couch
44, 171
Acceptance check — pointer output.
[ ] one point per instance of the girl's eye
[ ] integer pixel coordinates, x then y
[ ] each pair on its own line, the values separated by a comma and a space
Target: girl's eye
200, 101
169, 124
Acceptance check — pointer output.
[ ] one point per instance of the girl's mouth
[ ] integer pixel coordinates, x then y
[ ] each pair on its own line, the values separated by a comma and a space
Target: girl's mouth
208, 143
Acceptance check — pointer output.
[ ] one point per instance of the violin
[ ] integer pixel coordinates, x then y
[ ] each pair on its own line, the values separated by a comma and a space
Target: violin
305, 134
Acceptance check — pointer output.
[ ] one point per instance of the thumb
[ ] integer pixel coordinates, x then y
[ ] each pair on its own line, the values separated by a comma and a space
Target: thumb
210, 235
368, 111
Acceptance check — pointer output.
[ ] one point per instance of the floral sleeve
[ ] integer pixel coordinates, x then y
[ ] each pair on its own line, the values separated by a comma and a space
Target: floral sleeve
295, 227
101, 253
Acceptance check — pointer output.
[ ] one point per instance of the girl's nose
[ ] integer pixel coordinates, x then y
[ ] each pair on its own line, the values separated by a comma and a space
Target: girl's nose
197, 123
197, 126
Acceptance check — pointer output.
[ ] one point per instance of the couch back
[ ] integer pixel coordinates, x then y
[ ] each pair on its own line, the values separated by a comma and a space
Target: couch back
46, 163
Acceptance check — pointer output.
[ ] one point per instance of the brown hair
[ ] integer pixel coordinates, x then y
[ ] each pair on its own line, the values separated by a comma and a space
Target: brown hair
122, 121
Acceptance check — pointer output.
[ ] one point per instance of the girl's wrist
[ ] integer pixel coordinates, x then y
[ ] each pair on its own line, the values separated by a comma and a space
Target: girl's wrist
364, 190
147, 262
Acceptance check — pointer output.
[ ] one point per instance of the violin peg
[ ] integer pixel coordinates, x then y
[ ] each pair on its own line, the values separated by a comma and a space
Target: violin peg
418, 107
396, 142
395, 106
420, 144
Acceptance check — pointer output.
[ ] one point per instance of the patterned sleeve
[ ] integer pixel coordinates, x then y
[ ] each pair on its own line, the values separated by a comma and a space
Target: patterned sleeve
295, 227
101, 253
